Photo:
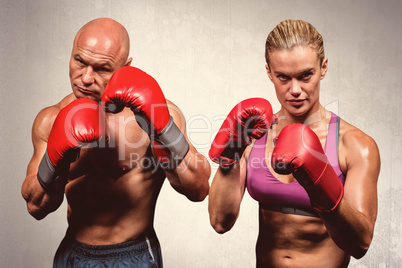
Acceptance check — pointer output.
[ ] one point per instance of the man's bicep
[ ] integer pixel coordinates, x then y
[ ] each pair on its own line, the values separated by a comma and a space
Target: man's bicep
40, 134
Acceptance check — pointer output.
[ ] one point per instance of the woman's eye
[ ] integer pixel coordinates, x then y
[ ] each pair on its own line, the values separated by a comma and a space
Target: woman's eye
306, 76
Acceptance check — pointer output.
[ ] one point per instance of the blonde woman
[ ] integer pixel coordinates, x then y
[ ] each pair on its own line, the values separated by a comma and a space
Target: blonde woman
313, 174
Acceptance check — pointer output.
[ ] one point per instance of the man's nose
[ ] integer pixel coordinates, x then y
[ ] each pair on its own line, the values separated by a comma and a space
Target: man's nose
88, 76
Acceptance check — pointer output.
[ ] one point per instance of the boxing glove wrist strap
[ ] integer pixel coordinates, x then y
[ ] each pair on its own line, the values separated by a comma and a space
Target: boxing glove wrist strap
47, 173
174, 141
326, 192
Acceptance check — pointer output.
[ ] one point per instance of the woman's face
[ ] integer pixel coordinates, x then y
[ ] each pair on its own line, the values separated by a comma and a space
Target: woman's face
296, 74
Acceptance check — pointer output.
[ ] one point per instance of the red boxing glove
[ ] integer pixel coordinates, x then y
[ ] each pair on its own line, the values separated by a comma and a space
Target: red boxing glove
79, 123
298, 150
133, 88
249, 118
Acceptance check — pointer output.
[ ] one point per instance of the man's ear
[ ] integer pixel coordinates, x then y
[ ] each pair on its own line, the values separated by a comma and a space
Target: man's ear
128, 62
269, 72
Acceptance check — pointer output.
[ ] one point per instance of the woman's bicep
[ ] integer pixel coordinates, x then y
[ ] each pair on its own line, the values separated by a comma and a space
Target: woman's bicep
363, 167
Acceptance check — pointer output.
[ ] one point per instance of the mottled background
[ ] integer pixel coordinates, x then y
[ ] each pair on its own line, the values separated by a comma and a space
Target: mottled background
207, 56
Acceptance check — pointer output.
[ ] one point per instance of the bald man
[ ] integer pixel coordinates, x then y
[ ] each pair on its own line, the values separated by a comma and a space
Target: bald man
105, 163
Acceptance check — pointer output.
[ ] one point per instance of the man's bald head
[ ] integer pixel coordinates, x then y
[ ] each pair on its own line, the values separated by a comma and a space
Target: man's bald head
100, 48
108, 35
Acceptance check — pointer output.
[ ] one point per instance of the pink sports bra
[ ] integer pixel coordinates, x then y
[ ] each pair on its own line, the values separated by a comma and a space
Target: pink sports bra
291, 197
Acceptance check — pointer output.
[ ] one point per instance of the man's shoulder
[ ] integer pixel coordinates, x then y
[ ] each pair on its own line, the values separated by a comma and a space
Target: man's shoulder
175, 111
55, 108
46, 117
172, 106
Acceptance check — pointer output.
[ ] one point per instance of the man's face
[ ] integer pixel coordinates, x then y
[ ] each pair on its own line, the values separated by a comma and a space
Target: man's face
94, 59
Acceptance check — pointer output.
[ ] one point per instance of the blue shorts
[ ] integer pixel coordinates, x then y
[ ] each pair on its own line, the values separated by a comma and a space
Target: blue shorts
142, 253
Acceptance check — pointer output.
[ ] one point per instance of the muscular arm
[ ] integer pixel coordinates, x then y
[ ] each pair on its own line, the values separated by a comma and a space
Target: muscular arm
133, 88
191, 176
39, 203
351, 224
226, 194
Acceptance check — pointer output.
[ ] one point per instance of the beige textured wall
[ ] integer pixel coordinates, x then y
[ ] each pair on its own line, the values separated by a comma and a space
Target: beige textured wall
206, 55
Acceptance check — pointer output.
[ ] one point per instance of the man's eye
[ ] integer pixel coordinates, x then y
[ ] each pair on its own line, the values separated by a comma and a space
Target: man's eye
80, 61
282, 78
101, 69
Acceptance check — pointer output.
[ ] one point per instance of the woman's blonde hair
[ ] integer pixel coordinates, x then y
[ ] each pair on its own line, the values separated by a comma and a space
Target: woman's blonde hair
291, 33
